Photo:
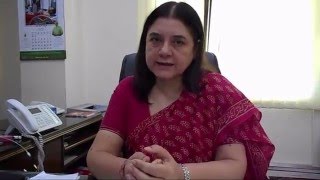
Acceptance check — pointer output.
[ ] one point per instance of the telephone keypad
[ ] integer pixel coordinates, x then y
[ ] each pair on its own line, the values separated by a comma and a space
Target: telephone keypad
46, 119
43, 121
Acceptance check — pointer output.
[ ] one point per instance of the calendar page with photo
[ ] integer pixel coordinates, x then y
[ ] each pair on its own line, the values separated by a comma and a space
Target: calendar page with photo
41, 29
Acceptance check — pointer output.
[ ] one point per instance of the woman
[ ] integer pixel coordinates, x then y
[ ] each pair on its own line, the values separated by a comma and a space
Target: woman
174, 120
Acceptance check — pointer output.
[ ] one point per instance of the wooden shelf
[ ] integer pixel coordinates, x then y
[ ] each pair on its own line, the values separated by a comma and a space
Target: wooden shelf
69, 160
69, 147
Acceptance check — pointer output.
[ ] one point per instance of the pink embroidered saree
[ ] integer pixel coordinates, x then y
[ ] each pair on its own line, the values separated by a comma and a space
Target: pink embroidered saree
194, 126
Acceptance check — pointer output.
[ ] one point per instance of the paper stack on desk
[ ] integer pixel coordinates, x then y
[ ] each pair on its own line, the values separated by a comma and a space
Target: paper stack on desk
85, 110
43, 175
81, 114
88, 107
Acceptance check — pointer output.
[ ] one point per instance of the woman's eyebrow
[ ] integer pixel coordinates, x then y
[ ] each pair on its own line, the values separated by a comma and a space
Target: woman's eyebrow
154, 34
179, 37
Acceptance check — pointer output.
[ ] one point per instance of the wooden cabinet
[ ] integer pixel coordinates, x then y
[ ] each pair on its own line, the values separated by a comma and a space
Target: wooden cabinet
65, 147
76, 146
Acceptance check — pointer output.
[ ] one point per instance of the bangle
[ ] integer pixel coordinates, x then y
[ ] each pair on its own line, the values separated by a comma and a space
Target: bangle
186, 172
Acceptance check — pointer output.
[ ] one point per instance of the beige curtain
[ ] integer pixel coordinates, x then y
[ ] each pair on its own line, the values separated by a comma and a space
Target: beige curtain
268, 49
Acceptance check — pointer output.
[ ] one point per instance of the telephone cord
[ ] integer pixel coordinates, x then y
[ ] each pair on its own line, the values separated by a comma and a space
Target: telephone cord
40, 139
39, 143
28, 153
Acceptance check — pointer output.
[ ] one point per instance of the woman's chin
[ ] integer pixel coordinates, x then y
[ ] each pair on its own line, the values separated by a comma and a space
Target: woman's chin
164, 76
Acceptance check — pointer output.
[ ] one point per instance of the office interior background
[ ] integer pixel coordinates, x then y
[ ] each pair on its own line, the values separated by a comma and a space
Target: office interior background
99, 34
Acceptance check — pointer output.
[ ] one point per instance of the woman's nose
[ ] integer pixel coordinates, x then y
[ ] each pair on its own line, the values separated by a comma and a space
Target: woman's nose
165, 49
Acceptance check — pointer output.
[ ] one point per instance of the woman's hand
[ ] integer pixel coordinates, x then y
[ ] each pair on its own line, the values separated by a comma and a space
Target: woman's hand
164, 166
128, 168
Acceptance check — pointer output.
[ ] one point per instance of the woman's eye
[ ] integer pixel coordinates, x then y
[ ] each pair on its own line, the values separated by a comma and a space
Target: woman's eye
154, 39
178, 42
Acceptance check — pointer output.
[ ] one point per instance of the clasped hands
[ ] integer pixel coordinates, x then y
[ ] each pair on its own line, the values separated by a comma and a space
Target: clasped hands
154, 163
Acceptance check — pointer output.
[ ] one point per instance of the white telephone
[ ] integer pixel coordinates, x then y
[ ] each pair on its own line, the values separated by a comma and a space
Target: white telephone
31, 119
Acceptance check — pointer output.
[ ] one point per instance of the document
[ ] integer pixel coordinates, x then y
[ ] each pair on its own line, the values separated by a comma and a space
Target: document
81, 114
43, 175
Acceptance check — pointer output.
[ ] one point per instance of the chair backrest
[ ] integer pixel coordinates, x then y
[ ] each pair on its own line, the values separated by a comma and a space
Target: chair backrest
129, 62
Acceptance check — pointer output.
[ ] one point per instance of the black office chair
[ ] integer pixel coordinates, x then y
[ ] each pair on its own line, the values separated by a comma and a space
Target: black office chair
128, 64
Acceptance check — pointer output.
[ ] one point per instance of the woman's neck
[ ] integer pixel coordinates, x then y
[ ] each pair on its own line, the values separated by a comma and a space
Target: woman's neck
169, 90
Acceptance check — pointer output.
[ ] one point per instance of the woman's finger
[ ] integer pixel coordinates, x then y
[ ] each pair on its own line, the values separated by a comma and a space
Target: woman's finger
157, 161
154, 169
146, 159
159, 152
140, 155
129, 177
128, 169
138, 174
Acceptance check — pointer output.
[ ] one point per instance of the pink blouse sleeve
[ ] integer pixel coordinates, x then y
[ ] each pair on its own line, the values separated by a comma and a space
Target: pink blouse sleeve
115, 118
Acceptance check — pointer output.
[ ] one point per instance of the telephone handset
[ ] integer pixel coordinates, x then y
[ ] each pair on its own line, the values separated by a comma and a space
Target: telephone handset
31, 119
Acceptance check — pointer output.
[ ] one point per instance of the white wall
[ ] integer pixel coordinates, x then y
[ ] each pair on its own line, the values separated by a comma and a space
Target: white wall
10, 83
295, 133
43, 81
98, 34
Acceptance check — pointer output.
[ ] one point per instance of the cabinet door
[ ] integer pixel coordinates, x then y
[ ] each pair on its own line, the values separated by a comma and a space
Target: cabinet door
53, 162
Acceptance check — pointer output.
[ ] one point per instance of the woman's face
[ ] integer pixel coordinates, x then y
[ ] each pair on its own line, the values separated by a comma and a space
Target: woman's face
169, 48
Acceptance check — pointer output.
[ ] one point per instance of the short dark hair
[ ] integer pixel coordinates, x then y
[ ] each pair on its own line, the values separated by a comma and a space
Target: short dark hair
144, 79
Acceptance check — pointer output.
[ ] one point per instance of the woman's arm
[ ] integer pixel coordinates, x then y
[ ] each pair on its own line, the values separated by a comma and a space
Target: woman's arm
103, 157
230, 163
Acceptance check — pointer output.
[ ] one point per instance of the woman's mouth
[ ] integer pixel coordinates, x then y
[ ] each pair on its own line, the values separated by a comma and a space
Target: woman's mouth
164, 64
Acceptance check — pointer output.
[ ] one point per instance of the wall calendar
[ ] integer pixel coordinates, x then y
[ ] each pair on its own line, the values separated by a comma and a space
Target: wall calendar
41, 29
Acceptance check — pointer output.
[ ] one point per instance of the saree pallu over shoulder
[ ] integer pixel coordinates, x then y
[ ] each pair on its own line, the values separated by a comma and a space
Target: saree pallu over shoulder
241, 125
195, 125
239, 122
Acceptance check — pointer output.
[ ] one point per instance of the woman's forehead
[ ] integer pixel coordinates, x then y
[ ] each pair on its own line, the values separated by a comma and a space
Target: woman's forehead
169, 26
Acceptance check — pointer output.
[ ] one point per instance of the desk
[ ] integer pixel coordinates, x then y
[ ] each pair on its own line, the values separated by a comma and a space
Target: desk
65, 147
